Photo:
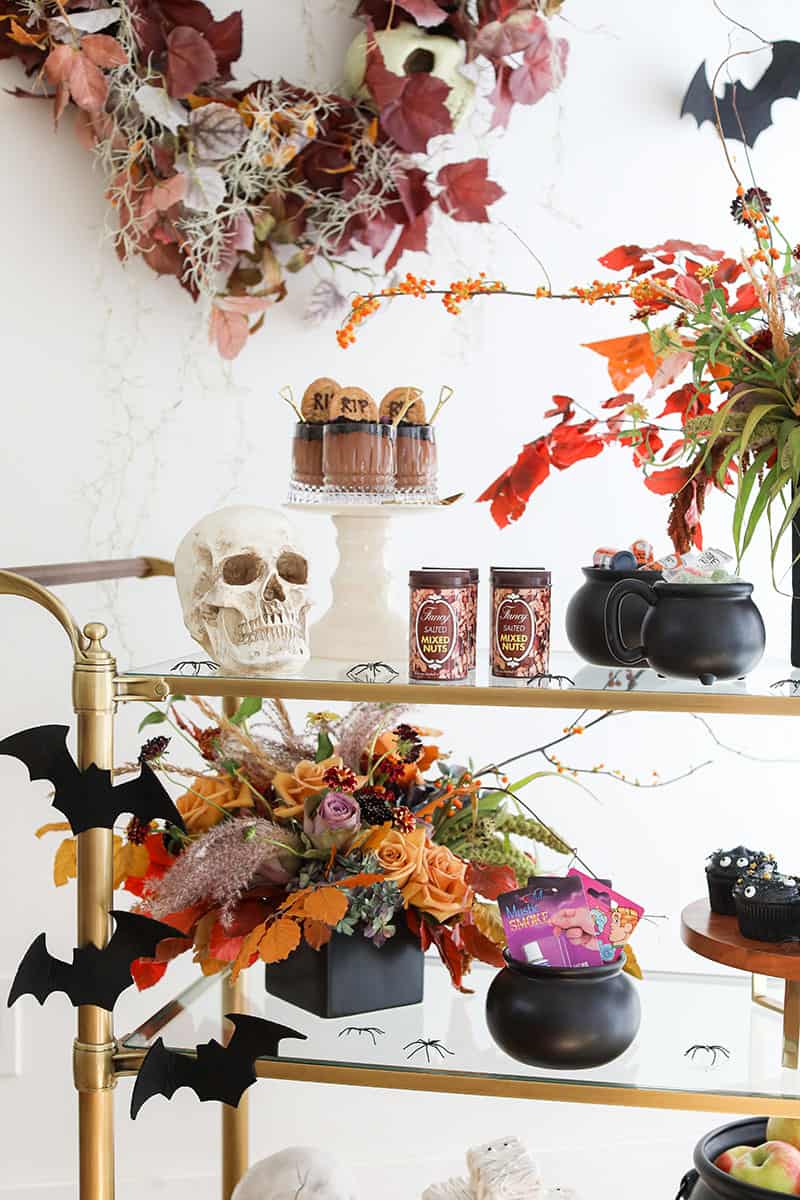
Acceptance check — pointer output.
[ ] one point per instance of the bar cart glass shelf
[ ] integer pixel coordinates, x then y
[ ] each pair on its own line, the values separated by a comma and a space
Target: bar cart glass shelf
679, 1011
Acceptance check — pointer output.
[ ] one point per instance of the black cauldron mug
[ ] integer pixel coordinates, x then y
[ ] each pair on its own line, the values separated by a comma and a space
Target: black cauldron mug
585, 617
707, 1182
705, 631
563, 1018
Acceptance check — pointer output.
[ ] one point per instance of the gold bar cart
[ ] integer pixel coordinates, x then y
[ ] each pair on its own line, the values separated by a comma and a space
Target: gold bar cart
99, 1058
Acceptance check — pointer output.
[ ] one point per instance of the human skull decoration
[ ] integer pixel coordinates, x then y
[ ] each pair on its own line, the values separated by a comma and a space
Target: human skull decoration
409, 50
299, 1173
243, 588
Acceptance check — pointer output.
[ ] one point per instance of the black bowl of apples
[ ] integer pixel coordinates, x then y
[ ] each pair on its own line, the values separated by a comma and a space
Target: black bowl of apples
747, 1160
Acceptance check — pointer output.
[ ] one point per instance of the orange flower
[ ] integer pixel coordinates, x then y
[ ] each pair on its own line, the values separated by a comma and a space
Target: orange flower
202, 806
386, 744
440, 888
296, 786
400, 855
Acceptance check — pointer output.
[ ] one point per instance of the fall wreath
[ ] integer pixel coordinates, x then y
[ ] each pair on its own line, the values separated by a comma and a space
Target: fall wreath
228, 188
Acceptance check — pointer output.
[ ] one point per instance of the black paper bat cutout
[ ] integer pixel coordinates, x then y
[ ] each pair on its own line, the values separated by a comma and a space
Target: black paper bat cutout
87, 798
94, 976
754, 105
218, 1072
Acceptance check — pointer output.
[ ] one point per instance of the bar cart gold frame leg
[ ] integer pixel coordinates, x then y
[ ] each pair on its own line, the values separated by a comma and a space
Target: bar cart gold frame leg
789, 1007
235, 1121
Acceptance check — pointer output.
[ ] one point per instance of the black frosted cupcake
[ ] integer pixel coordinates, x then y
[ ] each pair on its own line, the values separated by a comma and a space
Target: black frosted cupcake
725, 867
768, 906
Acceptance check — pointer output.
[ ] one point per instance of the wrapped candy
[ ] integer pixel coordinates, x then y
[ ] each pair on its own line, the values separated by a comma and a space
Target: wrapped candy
711, 566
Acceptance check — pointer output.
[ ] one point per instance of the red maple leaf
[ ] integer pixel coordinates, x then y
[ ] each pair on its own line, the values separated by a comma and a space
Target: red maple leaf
569, 443
667, 483
542, 69
746, 298
667, 250
563, 407
501, 99
477, 945
412, 107
621, 257
511, 491
689, 288
687, 401
619, 401
496, 39
467, 190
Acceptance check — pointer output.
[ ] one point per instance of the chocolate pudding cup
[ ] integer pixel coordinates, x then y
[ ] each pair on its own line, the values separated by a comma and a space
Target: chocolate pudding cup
417, 460
307, 455
359, 456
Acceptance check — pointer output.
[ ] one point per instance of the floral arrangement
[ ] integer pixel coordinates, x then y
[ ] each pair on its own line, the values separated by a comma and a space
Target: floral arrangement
355, 825
719, 338
227, 188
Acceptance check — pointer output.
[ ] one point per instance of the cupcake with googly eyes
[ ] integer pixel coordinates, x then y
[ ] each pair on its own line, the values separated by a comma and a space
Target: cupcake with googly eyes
725, 867
768, 906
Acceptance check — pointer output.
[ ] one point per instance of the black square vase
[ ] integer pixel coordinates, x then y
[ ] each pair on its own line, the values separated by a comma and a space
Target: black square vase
349, 975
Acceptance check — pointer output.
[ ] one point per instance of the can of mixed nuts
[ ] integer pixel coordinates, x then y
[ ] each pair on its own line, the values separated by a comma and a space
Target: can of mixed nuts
439, 639
471, 611
520, 613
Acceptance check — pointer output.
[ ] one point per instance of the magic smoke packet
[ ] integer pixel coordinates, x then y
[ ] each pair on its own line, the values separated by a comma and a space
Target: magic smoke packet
548, 923
615, 917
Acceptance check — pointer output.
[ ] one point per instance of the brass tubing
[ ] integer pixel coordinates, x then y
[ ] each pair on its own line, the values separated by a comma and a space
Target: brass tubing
235, 1121
93, 682
791, 1024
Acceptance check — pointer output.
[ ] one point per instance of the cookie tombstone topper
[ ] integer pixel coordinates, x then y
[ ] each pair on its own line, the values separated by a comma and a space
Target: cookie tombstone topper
243, 587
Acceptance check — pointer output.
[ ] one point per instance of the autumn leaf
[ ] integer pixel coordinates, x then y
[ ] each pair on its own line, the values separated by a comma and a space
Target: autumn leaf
190, 61
424, 12
490, 881
667, 483
477, 945
87, 83
542, 69
364, 879
628, 358
511, 491
103, 50
412, 107
689, 288
622, 257
487, 918
23, 38
317, 933
130, 861
497, 39
248, 948
65, 864
282, 937
467, 191
52, 827
326, 904
217, 131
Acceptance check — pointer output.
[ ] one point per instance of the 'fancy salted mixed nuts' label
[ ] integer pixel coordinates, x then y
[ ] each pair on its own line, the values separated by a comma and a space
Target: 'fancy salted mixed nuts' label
439, 646
515, 627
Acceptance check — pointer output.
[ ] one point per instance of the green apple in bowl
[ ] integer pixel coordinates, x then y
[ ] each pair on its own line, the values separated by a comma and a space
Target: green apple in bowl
784, 1129
774, 1166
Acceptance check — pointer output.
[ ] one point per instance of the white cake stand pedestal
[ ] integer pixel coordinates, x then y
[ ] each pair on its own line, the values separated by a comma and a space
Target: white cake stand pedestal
361, 624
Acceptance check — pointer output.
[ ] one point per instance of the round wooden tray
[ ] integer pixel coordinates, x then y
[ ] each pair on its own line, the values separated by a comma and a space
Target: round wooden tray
719, 939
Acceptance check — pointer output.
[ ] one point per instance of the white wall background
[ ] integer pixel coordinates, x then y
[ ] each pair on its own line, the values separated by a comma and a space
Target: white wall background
120, 428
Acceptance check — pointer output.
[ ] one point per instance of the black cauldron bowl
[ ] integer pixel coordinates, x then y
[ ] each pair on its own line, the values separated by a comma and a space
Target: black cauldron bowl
563, 1018
707, 1182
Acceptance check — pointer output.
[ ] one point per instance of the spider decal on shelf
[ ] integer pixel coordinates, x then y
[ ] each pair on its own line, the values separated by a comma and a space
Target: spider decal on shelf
426, 1045
373, 672
713, 1051
370, 1030
787, 687
551, 681
195, 666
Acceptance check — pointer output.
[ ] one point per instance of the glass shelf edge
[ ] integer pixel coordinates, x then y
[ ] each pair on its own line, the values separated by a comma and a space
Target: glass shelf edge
469, 695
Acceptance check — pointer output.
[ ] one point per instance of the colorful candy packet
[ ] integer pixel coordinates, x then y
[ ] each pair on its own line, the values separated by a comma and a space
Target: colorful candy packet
548, 923
615, 916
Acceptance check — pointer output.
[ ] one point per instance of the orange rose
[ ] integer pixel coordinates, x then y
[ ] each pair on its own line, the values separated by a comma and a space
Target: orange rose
400, 855
440, 888
209, 798
296, 786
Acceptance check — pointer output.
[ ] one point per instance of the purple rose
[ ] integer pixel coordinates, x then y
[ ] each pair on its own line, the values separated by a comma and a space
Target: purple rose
333, 821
